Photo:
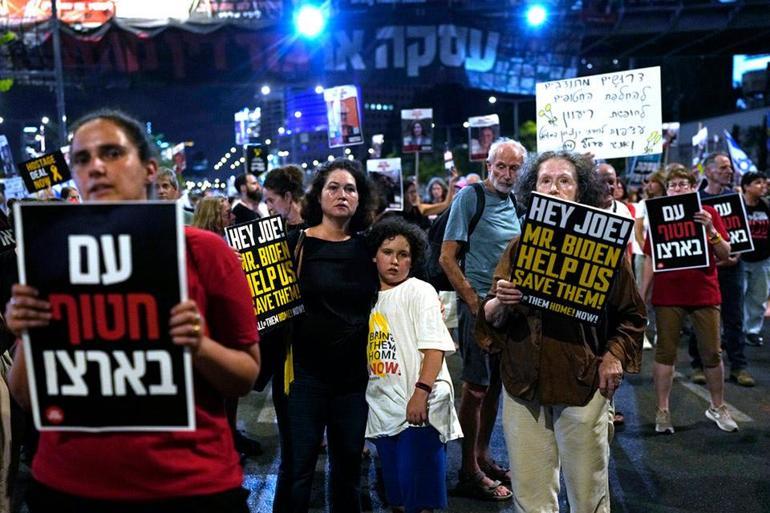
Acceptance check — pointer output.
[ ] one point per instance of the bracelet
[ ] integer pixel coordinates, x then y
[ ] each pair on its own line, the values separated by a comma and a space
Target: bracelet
423, 386
716, 239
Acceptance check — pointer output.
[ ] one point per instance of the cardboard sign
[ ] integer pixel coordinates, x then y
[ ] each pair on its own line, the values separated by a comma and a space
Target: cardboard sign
112, 272
42, 172
482, 132
416, 128
267, 262
568, 257
344, 116
256, 159
733, 212
386, 173
676, 240
611, 115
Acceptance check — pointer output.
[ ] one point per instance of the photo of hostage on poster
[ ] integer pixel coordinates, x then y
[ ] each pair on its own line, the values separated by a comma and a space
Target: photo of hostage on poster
568, 257
269, 269
416, 129
388, 178
676, 240
482, 132
106, 361
735, 219
343, 114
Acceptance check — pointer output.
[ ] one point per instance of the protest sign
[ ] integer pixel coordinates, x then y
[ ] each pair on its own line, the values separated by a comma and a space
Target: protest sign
416, 130
267, 262
733, 212
256, 159
568, 256
639, 168
611, 115
386, 173
42, 172
6, 158
112, 272
482, 132
344, 116
676, 240
14, 188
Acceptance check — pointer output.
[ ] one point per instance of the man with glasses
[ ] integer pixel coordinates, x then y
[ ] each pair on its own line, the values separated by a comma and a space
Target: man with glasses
719, 177
480, 476
692, 293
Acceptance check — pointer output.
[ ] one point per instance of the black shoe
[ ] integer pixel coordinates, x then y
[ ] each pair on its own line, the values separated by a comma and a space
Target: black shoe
247, 446
753, 339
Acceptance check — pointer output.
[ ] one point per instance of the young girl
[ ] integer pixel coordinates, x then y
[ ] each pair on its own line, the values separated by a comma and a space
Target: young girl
410, 393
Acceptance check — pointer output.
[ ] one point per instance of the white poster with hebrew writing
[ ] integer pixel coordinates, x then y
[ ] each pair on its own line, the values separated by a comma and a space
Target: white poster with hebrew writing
611, 115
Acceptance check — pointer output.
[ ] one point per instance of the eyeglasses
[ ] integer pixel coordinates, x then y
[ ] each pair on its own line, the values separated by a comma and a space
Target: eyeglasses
678, 185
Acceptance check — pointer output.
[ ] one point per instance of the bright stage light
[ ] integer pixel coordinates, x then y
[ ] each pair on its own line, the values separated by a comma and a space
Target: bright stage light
536, 15
309, 21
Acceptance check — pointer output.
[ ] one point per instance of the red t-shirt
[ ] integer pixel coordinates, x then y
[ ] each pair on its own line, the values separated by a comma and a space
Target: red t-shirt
152, 466
689, 287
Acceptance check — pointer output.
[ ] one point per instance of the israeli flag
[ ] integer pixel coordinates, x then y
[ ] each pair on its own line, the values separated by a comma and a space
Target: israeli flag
741, 162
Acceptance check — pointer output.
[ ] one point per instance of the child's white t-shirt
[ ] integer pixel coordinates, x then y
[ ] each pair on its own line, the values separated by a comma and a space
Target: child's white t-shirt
405, 320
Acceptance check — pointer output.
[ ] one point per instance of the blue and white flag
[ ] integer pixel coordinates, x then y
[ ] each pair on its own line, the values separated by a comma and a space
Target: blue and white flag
741, 162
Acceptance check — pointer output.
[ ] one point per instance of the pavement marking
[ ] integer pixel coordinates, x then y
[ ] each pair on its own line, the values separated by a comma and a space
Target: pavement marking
703, 393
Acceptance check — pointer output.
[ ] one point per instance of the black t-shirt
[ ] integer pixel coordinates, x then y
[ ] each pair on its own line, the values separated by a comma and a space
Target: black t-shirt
243, 214
338, 282
759, 223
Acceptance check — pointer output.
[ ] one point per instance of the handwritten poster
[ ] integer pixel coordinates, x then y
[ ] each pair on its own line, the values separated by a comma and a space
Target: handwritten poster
568, 257
612, 115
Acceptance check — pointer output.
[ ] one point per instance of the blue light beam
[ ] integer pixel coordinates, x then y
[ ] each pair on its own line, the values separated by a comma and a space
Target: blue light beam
309, 21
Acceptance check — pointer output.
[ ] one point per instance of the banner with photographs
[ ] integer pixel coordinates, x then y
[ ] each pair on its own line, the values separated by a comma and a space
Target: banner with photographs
482, 132
676, 240
106, 362
256, 158
269, 268
568, 257
6, 158
735, 218
611, 115
45, 171
417, 130
388, 177
343, 113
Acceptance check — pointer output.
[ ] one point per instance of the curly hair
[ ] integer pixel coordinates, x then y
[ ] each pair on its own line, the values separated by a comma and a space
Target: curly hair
208, 215
286, 179
364, 214
590, 190
131, 127
391, 227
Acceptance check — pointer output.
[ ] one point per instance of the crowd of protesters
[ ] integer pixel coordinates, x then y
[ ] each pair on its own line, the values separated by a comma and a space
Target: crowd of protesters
359, 274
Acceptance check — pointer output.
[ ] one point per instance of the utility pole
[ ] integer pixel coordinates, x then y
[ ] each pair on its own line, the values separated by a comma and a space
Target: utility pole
61, 115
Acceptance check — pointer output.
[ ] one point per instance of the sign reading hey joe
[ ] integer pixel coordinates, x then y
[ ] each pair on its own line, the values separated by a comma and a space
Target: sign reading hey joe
568, 256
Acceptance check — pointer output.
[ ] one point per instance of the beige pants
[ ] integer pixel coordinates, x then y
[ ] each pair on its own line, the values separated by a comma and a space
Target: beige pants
541, 438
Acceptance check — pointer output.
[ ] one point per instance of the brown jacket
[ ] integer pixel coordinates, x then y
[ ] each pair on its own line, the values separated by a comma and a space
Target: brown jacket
556, 360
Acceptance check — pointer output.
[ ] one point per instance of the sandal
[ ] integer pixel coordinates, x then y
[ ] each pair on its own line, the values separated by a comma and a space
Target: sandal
473, 487
495, 472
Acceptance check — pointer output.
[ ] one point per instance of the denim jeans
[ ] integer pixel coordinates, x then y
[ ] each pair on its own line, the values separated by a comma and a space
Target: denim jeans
313, 405
756, 286
733, 340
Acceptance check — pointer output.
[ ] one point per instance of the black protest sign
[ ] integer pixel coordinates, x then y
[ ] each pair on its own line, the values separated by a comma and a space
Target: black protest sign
256, 158
676, 240
568, 256
267, 262
112, 272
733, 213
42, 172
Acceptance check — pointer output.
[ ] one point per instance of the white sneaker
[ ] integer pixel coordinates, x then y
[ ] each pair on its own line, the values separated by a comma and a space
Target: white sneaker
722, 418
663, 422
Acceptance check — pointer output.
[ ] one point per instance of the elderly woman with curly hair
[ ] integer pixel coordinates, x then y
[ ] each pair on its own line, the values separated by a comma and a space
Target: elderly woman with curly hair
559, 375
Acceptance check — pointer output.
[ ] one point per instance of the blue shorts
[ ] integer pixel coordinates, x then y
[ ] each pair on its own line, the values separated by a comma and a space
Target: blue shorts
479, 367
414, 469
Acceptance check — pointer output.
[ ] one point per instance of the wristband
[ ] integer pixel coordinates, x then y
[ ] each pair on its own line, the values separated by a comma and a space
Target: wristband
423, 386
716, 239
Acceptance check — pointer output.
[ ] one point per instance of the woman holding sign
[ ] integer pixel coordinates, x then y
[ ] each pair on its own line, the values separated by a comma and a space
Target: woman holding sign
326, 374
559, 375
175, 471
